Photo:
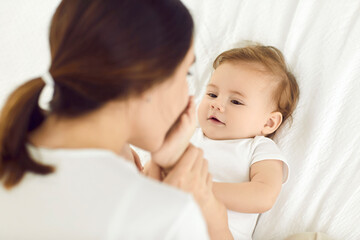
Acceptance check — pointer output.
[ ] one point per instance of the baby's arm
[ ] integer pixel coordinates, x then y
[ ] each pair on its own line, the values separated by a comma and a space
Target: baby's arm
256, 196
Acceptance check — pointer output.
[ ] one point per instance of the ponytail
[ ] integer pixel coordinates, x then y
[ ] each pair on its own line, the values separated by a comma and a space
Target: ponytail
19, 116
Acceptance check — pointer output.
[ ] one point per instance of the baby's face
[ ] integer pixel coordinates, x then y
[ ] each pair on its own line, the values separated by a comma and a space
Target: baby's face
237, 102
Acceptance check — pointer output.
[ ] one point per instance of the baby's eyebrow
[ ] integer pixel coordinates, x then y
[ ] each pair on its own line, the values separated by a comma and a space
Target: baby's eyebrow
233, 91
239, 93
212, 85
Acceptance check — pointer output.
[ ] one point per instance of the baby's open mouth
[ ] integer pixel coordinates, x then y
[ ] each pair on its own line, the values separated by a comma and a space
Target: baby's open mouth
215, 120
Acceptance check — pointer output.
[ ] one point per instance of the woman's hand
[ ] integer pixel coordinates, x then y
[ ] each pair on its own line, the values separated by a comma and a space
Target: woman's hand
152, 170
177, 139
190, 174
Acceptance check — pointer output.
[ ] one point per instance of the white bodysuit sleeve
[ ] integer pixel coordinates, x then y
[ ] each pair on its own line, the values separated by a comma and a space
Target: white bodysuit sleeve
264, 148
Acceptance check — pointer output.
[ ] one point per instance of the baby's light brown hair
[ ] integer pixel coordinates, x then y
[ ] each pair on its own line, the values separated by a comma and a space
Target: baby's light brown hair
286, 93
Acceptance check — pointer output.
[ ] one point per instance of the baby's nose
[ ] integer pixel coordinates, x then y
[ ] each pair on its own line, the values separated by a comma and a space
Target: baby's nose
217, 106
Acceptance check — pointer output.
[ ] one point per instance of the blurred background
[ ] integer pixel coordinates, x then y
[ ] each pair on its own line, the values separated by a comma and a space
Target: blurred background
321, 42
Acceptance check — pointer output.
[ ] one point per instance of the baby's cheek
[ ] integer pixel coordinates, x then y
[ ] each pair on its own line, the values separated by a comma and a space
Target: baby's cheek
201, 113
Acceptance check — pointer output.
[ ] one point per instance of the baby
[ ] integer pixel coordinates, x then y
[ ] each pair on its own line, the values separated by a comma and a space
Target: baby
250, 94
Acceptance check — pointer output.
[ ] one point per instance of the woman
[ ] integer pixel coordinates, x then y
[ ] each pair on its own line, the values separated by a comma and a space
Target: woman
118, 75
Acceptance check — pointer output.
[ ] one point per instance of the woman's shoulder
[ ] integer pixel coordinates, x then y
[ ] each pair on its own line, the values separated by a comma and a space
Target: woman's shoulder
171, 212
104, 192
105, 169
159, 210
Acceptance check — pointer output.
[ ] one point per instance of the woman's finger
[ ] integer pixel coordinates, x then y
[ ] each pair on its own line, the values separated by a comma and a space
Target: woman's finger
209, 181
198, 163
204, 171
152, 170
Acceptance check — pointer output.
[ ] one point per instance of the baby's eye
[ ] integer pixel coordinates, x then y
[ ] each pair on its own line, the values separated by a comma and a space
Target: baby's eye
211, 95
236, 102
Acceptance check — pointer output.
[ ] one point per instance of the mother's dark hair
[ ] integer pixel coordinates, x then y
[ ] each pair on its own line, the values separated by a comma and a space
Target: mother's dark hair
101, 50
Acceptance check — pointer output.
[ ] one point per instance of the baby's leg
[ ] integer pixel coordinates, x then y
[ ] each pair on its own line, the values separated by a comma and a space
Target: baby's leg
177, 140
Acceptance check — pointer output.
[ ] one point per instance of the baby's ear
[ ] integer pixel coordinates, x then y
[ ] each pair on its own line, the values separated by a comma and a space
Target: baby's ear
272, 123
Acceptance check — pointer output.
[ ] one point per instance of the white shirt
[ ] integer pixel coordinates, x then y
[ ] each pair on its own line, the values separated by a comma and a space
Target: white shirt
230, 161
95, 194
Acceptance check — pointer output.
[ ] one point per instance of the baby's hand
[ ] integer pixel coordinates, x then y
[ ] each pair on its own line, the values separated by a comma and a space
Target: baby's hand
177, 139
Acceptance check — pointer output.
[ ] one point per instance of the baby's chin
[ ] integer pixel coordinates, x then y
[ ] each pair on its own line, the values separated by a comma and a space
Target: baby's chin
217, 135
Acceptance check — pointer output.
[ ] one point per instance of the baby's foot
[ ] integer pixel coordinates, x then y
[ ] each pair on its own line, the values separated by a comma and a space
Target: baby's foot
177, 139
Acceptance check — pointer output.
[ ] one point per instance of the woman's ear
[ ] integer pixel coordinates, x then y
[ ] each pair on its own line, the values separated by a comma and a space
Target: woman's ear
272, 123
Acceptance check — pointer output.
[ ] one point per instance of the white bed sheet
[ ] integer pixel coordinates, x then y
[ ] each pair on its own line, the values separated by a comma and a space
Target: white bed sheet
321, 41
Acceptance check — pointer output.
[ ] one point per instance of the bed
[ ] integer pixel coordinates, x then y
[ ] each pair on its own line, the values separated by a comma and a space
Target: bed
321, 42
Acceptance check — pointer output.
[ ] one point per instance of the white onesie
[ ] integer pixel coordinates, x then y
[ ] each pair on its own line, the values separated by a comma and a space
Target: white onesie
230, 161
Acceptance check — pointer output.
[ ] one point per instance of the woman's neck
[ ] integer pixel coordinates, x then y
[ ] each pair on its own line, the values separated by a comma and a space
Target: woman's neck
100, 129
